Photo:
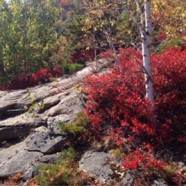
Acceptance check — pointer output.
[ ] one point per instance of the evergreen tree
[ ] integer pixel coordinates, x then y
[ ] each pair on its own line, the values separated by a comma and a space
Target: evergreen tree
28, 35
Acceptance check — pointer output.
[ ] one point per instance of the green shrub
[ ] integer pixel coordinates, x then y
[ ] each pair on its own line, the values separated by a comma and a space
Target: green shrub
178, 42
71, 68
65, 171
59, 173
75, 128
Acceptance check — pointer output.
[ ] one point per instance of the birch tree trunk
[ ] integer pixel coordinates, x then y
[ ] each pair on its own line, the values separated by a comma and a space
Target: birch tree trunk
146, 39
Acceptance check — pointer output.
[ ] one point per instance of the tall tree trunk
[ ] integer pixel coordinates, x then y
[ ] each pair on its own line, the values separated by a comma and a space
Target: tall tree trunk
146, 39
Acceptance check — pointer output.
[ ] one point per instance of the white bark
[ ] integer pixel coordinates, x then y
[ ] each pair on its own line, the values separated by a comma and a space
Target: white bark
146, 39
145, 29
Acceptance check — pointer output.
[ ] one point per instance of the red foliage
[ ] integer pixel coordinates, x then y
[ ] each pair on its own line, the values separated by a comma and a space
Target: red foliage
24, 81
107, 54
117, 106
140, 158
83, 56
161, 37
170, 85
117, 100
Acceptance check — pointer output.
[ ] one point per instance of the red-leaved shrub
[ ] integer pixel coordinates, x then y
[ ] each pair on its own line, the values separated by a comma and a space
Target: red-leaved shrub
117, 106
83, 56
142, 158
23, 81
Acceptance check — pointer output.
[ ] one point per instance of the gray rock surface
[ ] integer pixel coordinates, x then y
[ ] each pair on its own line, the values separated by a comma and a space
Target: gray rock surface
23, 156
159, 182
106, 169
19, 126
128, 179
97, 164
29, 118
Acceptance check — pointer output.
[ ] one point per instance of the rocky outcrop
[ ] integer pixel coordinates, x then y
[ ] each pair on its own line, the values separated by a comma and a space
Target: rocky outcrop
106, 169
24, 156
29, 118
97, 164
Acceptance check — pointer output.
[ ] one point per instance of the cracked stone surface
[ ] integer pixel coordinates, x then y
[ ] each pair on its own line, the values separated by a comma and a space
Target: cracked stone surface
97, 164
39, 146
29, 133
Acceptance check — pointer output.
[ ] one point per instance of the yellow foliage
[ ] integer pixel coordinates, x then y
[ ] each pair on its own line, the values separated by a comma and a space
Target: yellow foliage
170, 16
